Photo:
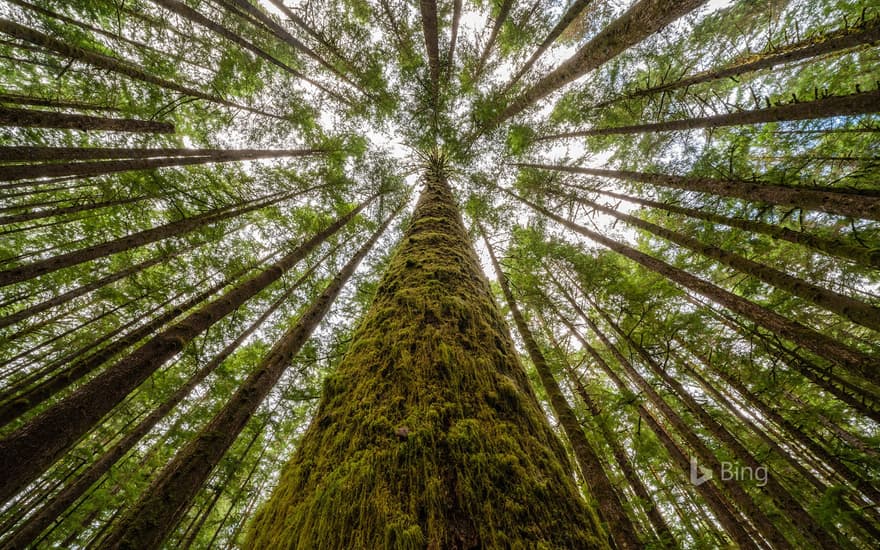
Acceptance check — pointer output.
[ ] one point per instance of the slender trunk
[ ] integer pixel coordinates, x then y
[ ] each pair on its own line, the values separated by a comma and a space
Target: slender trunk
855, 310
611, 511
428, 10
319, 37
431, 383
639, 22
38, 444
863, 256
648, 503
859, 103
111, 64
574, 10
730, 520
25, 118
812, 532
187, 12
833, 427
829, 348
23, 153
503, 13
832, 202
453, 33
160, 509
834, 41
101, 167
135, 240
17, 99
63, 211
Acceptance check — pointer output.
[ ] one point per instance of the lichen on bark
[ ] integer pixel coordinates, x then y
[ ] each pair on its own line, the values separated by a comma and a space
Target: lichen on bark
428, 434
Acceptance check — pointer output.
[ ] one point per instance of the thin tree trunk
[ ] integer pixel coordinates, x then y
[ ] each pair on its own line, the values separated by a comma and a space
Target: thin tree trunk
26, 453
17, 99
574, 10
639, 22
829, 201
808, 527
730, 520
860, 103
153, 518
620, 527
831, 42
428, 10
863, 256
855, 310
25, 118
503, 13
128, 242
111, 64
40, 214
822, 345
101, 167
453, 33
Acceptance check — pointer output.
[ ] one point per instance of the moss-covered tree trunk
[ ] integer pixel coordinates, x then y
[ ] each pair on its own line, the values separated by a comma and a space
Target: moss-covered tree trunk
428, 433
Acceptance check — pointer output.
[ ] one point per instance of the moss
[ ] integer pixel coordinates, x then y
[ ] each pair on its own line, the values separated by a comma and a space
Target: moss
429, 434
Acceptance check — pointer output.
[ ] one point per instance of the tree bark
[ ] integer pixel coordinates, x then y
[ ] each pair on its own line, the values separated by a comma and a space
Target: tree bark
861, 255
160, 509
17, 99
26, 118
860, 103
429, 426
639, 22
453, 33
855, 310
26, 453
829, 348
619, 525
503, 13
63, 211
829, 201
428, 10
101, 167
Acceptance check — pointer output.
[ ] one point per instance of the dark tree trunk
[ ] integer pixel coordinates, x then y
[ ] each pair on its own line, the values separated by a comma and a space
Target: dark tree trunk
453, 33
428, 10
503, 13
17, 99
25, 118
160, 509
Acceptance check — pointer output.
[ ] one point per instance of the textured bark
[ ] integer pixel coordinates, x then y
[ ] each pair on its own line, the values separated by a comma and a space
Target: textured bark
810, 198
503, 13
428, 433
730, 520
26, 453
611, 511
111, 64
163, 505
855, 310
840, 248
26, 118
135, 240
101, 167
572, 13
428, 10
860, 103
639, 22
31, 529
17, 99
821, 45
829, 348
809, 528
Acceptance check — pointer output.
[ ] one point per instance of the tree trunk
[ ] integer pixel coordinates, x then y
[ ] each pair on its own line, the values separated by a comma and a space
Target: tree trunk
25, 454
101, 167
822, 345
855, 310
506, 6
824, 44
639, 22
831, 201
453, 33
428, 10
863, 256
17, 99
610, 509
128, 242
162, 506
730, 520
25, 118
28, 531
429, 427
860, 103
63, 211
111, 64
572, 13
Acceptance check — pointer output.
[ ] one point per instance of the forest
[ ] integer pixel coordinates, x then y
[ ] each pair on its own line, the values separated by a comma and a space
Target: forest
440, 274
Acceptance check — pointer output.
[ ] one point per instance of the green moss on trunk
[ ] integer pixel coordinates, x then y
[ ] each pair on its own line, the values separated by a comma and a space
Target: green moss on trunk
428, 434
